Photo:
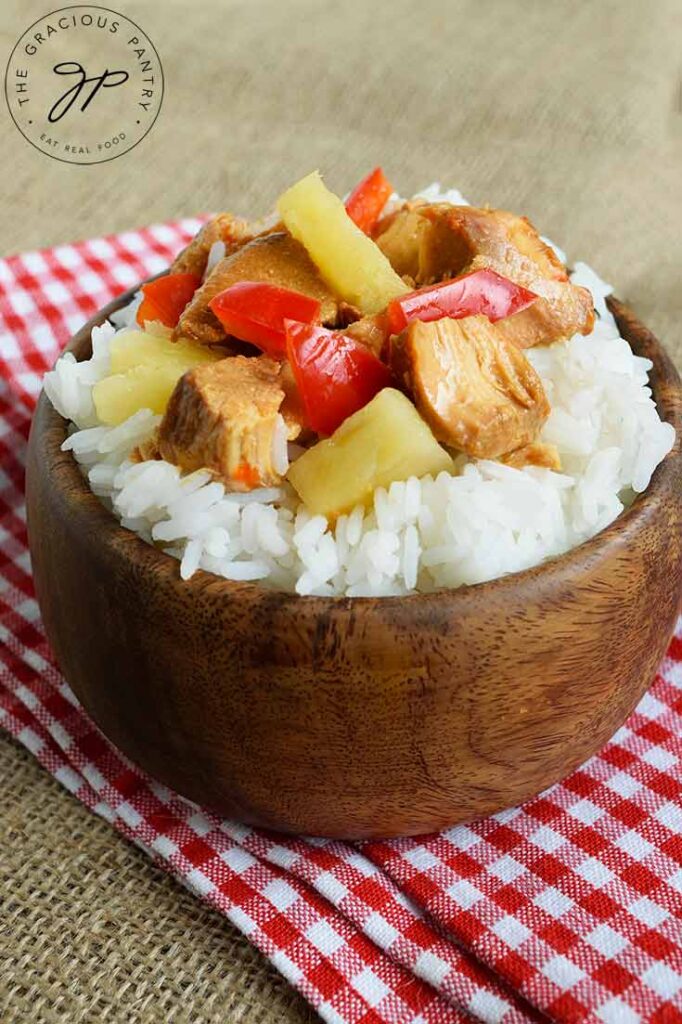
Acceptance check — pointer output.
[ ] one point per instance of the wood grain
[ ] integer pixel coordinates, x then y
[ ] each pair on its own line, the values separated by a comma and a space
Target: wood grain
355, 717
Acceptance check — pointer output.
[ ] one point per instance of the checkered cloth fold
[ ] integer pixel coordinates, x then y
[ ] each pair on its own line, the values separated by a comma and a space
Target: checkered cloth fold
568, 908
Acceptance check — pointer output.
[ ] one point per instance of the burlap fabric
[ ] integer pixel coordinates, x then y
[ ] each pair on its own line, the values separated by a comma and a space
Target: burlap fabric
570, 112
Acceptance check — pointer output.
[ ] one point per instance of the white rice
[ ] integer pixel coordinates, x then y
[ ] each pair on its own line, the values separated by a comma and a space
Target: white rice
418, 535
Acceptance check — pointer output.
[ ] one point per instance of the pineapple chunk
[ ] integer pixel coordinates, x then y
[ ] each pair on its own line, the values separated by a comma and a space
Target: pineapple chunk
145, 367
140, 348
349, 261
143, 387
387, 440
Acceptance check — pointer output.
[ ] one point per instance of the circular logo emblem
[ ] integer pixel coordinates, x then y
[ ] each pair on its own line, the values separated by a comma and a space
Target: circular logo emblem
84, 84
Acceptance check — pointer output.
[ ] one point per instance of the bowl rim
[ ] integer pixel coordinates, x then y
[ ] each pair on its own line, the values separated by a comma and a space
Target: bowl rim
65, 474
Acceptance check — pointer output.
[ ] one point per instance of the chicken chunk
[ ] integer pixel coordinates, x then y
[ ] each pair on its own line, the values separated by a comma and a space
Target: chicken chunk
544, 456
347, 314
560, 311
275, 258
475, 389
370, 331
147, 450
221, 228
228, 417
292, 409
434, 242
400, 236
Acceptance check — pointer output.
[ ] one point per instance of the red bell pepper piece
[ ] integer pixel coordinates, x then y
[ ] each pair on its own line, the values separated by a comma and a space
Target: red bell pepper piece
254, 311
481, 291
166, 298
335, 374
367, 200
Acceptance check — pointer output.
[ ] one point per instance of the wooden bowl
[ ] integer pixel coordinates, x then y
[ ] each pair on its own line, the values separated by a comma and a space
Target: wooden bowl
355, 717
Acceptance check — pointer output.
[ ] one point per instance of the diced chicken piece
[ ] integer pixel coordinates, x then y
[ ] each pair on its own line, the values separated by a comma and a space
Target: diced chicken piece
292, 410
400, 236
509, 243
228, 417
560, 311
147, 450
275, 258
370, 331
434, 242
221, 228
475, 389
347, 314
545, 456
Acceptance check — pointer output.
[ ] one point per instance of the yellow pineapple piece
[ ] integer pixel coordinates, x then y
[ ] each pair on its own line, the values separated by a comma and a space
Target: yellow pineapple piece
387, 440
143, 387
349, 261
142, 348
145, 367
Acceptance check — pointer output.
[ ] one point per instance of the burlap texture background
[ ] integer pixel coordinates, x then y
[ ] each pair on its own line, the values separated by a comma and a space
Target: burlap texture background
570, 112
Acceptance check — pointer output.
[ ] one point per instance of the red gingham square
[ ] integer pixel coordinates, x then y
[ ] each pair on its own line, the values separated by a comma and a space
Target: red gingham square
568, 908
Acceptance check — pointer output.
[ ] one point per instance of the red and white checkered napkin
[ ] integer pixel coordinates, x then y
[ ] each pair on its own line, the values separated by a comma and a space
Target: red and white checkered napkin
568, 908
